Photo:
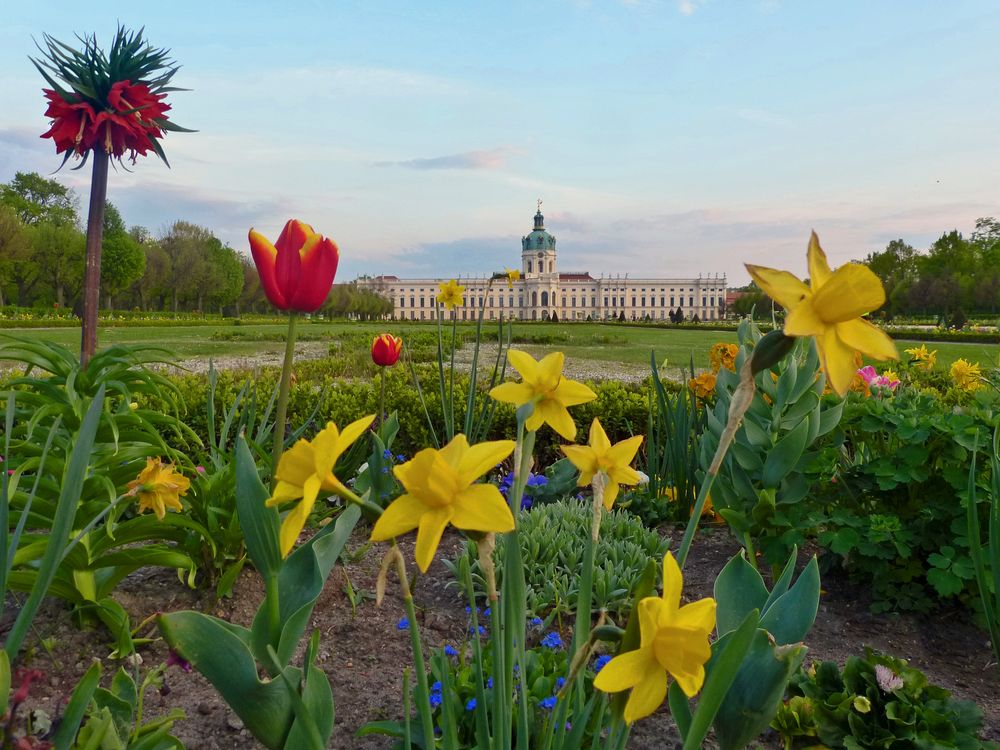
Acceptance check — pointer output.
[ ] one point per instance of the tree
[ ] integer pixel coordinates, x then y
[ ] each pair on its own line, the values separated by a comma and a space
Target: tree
13, 246
228, 276
896, 267
186, 245
36, 199
59, 249
122, 262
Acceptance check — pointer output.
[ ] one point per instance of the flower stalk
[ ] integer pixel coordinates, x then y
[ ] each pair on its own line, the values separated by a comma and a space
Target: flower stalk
281, 413
92, 272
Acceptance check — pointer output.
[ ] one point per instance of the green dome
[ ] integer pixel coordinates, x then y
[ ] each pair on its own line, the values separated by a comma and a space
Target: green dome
539, 239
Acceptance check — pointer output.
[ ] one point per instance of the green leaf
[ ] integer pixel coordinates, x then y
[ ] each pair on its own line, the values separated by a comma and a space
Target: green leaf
225, 660
791, 616
75, 709
785, 455
739, 590
259, 523
724, 666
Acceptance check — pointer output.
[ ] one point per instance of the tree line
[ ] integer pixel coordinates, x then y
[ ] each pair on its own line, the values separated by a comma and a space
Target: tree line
184, 268
954, 278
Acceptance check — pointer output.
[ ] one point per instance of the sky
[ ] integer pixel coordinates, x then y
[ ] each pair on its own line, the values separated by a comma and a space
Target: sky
664, 137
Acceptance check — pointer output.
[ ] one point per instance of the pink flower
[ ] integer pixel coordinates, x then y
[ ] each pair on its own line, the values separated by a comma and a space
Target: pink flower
869, 375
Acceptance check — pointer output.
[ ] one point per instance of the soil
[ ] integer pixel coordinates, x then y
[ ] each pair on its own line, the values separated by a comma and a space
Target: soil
364, 652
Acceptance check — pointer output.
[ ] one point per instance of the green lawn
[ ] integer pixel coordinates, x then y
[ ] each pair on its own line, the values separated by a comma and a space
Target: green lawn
606, 343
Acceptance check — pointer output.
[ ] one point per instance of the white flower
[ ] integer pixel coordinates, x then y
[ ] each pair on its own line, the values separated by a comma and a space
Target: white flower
643, 477
887, 679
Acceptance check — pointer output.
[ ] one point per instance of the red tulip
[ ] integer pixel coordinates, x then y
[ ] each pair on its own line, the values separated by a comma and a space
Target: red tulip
297, 271
386, 349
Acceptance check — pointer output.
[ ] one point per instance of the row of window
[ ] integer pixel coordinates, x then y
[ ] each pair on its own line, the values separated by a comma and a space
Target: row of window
522, 315
544, 301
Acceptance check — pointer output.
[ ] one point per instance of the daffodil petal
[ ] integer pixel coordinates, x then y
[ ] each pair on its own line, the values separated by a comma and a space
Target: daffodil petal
852, 291
652, 610
481, 507
819, 268
400, 516
683, 652
525, 364
780, 286
512, 393
482, 457
623, 672
432, 524
838, 361
699, 615
456, 448
804, 321
353, 431
647, 696
673, 582
550, 369
583, 458
598, 438
535, 421
325, 449
284, 492
868, 339
555, 414
624, 475
621, 454
296, 464
610, 495
572, 393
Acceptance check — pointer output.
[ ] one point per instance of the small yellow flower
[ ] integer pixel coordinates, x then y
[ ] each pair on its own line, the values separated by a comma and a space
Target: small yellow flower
707, 511
967, 376
830, 310
440, 490
451, 294
922, 357
513, 275
600, 456
703, 385
861, 704
673, 639
133, 405
723, 355
542, 382
305, 469
159, 487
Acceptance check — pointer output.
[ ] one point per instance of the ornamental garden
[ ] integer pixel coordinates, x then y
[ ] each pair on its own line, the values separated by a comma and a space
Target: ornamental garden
440, 536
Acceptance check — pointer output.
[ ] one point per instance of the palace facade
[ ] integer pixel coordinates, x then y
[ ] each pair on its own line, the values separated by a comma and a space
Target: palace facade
544, 292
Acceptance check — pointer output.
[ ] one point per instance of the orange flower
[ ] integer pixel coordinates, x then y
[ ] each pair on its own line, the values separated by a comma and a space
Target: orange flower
158, 487
723, 355
703, 385
386, 349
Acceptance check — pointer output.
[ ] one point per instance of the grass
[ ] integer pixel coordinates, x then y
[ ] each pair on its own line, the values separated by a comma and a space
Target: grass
593, 341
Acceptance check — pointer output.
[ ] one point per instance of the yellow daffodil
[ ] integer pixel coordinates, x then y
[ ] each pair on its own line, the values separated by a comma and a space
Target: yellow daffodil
440, 490
723, 355
542, 382
305, 469
703, 386
673, 639
967, 376
159, 487
451, 294
513, 275
922, 357
830, 310
600, 456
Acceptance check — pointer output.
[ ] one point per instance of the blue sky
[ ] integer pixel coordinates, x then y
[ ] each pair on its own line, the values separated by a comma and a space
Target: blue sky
664, 137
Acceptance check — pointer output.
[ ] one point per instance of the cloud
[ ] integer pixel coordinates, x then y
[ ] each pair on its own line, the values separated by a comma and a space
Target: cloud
687, 7
493, 158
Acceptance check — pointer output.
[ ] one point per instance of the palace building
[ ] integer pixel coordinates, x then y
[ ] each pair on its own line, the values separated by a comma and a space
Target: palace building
544, 292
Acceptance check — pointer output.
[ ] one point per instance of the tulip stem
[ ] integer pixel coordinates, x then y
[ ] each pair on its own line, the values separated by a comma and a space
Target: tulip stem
282, 410
381, 398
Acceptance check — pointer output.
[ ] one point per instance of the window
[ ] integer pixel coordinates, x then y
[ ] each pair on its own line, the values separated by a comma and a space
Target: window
633, 301
501, 300
551, 266
534, 300
663, 302
511, 300
593, 301
643, 301
422, 301
402, 301
529, 266
614, 302
690, 301
573, 301
421, 314
545, 299
411, 302
671, 301
564, 302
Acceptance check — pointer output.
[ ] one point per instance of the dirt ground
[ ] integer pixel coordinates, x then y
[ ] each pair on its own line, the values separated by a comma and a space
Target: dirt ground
364, 652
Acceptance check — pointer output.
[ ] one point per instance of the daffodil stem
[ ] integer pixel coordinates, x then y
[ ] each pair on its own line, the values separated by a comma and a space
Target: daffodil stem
281, 415
423, 694
451, 381
581, 631
742, 398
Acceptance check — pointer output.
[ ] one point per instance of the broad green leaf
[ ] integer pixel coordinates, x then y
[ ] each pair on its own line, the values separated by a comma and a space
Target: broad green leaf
739, 590
791, 616
259, 523
785, 454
